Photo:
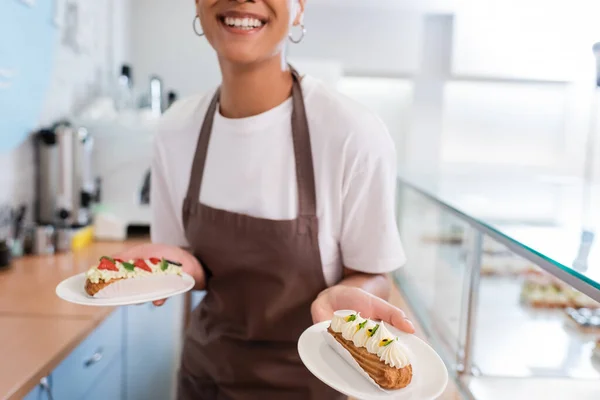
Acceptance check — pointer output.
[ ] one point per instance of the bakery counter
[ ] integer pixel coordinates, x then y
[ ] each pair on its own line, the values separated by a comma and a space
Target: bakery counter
32, 346
506, 326
71, 347
27, 288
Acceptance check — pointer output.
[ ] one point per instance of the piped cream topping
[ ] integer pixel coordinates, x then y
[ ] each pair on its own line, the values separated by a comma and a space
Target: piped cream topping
339, 319
351, 327
95, 275
362, 335
393, 354
380, 334
374, 336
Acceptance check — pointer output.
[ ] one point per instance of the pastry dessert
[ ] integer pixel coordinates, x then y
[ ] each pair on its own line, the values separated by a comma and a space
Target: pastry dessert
580, 300
379, 353
504, 265
109, 271
585, 319
544, 291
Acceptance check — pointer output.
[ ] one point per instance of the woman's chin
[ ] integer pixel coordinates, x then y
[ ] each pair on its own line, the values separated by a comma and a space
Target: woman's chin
243, 56
238, 58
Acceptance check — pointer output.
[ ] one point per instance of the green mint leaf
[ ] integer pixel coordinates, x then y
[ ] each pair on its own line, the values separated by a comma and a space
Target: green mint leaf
128, 266
374, 329
164, 265
362, 324
388, 343
352, 318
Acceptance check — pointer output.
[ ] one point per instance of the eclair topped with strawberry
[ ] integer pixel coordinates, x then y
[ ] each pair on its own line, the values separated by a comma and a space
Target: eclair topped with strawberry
110, 270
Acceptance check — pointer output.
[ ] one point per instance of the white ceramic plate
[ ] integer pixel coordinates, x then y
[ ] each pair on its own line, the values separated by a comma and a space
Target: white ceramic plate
430, 375
72, 290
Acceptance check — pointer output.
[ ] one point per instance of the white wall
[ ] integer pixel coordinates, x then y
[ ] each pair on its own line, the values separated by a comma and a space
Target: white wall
366, 40
492, 117
391, 98
163, 43
535, 39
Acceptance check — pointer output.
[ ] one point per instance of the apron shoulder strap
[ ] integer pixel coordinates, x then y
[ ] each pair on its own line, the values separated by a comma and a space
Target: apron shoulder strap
193, 193
305, 174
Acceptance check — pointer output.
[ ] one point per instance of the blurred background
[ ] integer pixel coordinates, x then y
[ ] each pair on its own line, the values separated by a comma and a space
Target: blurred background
492, 105
500, 88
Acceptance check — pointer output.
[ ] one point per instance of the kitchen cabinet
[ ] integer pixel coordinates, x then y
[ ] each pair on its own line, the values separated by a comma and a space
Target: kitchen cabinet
109, 385
39, 393
197, 297
85, 370
132, 355
153, 338
89, 359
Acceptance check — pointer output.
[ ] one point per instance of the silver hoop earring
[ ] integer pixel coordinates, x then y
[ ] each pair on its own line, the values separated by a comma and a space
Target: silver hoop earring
303, 32
194, 26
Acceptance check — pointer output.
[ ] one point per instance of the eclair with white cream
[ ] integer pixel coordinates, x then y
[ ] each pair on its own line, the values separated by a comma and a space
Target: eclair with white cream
378, 352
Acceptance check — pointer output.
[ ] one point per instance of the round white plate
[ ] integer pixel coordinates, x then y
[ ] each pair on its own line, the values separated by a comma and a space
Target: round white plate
72, 290
430, 375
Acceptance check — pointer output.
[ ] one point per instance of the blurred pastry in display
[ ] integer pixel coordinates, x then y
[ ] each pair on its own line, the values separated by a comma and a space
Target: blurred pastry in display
491, 267
454, 236
379, 353
541, 296
546, 291
596, 350
498, 260
504, 264
493, 248
580, 300
585, 319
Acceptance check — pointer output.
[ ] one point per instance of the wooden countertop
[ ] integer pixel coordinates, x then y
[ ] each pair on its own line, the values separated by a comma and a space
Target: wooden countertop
38, 329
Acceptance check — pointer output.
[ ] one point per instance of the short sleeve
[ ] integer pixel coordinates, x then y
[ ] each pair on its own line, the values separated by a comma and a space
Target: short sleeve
167, 225
369, 240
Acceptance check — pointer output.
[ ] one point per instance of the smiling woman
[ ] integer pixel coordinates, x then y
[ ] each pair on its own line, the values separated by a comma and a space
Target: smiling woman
248, 31
282, 193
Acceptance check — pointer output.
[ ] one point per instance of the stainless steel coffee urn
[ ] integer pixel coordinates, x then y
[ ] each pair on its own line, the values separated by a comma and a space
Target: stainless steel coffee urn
65, 186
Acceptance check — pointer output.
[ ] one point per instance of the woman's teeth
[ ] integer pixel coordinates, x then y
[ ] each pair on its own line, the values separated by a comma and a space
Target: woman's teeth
243, 23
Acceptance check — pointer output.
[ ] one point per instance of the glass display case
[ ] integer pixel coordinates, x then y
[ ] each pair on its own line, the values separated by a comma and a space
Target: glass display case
509, 302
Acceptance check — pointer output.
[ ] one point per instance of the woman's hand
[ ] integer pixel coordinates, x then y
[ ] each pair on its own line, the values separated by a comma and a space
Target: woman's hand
190, 264
352, 298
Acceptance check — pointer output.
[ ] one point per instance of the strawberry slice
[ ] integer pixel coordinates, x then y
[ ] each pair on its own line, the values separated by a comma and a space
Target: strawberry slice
119, 260
154, 261
108, 265
142, 265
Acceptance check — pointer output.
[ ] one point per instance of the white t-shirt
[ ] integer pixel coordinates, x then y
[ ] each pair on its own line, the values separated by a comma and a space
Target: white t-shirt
250, 170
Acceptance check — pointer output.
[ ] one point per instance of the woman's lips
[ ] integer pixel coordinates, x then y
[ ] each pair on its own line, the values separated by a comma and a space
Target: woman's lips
242, 23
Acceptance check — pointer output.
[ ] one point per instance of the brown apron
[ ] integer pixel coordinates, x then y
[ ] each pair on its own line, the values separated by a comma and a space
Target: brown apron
262, 276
